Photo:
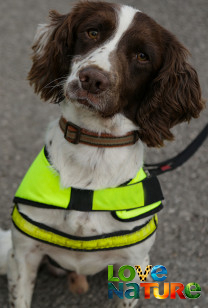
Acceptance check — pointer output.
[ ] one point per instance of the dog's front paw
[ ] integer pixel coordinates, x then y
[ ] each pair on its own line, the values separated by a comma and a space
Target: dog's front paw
127, 303
77, 283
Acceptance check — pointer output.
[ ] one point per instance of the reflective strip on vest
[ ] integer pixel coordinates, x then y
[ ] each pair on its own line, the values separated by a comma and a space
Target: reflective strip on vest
109, 241
41, 187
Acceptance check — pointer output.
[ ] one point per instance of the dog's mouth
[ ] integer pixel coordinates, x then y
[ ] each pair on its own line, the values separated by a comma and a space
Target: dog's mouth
84, 98
103, 103
84, 101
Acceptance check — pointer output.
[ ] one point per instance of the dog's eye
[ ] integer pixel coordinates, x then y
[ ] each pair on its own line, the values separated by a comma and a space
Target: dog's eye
142, 57
93, 34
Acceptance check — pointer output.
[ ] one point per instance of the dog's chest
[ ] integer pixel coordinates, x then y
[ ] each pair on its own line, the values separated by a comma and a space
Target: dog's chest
74, 222
92, 224
82, 223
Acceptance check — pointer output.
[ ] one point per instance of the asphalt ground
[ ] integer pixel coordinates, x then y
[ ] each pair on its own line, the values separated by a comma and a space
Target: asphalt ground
182, 238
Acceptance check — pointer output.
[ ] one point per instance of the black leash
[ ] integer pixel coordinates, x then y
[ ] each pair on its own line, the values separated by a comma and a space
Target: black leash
181, 158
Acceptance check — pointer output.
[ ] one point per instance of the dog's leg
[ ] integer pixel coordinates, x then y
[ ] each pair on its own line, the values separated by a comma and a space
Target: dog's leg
125, 302
134, 302
77, 283
23, 263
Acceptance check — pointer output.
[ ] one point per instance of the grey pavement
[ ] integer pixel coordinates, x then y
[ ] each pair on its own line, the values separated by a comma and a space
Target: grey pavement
182, 237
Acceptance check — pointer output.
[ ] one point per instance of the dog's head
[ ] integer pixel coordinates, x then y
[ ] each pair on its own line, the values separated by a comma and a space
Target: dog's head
114, 59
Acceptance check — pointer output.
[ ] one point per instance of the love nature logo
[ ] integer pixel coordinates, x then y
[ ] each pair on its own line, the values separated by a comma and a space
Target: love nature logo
158, 273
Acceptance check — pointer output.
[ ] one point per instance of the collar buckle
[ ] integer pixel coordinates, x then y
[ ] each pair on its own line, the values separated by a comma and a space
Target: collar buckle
76, 129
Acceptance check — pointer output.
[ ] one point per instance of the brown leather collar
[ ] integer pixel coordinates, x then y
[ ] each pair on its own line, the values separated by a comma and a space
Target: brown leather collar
75, 134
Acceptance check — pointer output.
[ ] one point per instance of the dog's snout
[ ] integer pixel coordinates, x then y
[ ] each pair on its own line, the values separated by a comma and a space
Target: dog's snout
93, 80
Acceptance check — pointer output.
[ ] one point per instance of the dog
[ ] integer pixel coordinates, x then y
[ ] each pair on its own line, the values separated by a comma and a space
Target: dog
121, 81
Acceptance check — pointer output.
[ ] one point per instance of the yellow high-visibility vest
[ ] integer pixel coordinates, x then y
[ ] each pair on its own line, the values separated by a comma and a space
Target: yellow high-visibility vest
140, 197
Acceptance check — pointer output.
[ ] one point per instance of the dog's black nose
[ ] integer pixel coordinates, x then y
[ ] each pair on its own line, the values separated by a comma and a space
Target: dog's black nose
93, 80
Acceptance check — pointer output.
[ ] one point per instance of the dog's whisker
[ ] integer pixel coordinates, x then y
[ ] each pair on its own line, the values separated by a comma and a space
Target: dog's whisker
47, 85
56, 86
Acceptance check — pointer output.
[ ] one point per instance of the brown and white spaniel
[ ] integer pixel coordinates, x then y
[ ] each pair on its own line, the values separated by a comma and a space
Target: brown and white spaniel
113, 70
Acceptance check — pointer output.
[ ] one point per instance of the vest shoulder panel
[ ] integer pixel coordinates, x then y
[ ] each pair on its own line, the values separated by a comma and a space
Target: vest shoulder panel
41, 187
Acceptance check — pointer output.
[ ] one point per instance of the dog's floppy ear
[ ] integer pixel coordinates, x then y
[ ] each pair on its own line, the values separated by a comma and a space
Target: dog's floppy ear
174, 95
52, 49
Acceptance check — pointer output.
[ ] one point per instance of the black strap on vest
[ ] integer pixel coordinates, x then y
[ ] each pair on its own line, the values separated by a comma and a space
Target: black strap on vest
82, 199
181, 158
